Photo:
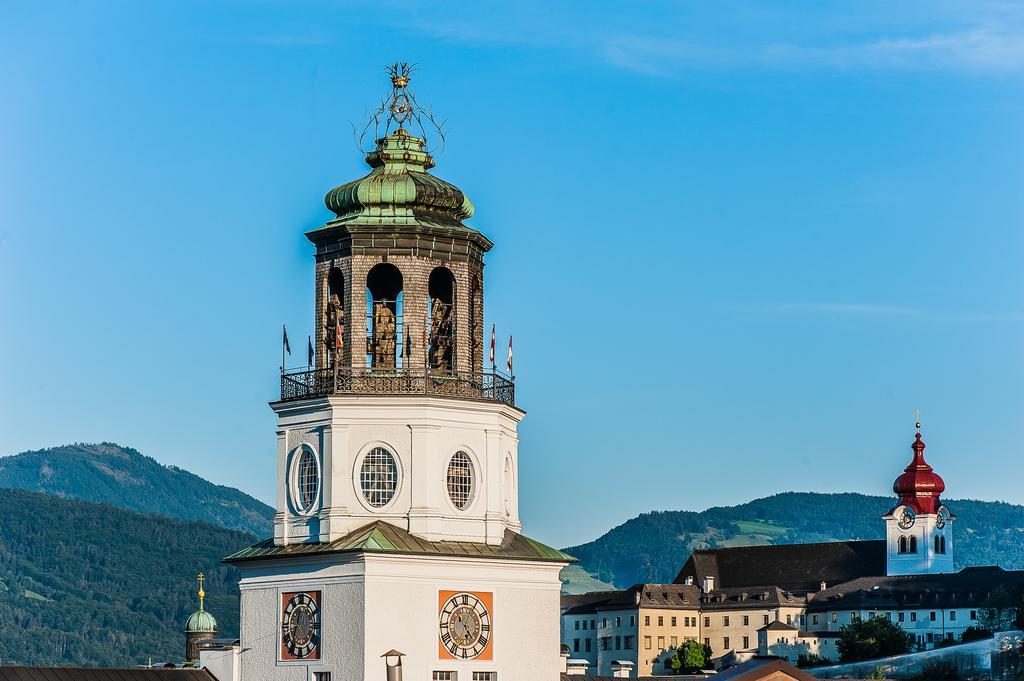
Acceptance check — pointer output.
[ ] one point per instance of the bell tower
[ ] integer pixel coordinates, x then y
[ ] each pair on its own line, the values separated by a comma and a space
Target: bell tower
918, 529
397, 524
398, 420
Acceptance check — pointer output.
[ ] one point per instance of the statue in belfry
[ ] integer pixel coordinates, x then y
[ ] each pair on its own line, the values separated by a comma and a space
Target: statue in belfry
334, 328
440, 334
383, 335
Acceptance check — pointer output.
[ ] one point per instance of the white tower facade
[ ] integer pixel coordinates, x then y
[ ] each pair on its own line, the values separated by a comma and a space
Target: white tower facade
397, 524
919, 529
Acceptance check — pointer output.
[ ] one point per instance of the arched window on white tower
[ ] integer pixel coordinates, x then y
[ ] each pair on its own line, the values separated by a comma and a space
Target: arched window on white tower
307, 480
913, 545
378, 477
460, 480
901, 544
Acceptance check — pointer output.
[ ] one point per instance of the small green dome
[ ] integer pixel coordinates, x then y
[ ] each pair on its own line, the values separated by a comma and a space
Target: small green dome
399, 190
201, 622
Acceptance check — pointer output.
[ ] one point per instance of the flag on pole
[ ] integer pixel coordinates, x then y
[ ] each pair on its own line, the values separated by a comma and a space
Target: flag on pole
284, 340
492, 345
309, 350
510, 355
337, 335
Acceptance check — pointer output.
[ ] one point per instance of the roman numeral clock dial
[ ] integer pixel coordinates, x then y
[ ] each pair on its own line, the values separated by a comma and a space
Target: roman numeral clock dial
464, 625
300, 626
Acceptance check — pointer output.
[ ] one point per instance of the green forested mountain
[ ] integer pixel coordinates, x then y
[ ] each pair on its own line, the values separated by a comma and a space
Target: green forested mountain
653, 546
90, 584
123, 477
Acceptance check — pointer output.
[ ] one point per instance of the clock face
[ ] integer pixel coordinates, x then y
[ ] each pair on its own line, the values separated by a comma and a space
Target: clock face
464, 625
907, 518
300, 626
940, 522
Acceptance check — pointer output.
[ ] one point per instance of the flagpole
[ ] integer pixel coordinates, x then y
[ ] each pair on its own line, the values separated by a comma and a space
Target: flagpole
284, 334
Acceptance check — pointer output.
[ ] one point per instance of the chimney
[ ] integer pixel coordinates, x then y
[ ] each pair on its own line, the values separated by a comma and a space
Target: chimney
823, 586
576, 667
621, 669
563, 652
394, 670
688, 581
709, 584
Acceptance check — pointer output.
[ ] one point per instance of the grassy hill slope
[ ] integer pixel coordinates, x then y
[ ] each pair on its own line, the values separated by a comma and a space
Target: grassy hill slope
123, 477
90, 584
653, 546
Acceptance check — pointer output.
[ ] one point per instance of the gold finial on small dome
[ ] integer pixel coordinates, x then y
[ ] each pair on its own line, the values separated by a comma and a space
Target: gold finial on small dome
202, 594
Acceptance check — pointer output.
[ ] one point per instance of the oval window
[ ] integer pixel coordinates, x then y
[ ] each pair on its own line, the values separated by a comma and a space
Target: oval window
307, 480
378, 477
460, 480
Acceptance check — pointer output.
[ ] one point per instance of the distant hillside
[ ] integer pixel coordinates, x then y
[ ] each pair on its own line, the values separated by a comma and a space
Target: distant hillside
94, 585
653, 546
123, 477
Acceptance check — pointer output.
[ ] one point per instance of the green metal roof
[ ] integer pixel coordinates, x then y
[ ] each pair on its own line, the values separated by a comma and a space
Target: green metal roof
201, 622
383, 537
399, 190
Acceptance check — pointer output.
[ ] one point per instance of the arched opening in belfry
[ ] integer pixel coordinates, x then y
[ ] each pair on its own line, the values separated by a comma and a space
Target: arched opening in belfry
913, 545
901, 544
441, 339
476, 333
334, 319
384, 338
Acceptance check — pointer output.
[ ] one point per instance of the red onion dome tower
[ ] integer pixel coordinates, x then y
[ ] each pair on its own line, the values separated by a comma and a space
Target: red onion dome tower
919, 486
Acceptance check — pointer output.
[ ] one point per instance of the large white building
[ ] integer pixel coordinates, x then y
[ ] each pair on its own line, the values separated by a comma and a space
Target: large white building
397, 525
793, 599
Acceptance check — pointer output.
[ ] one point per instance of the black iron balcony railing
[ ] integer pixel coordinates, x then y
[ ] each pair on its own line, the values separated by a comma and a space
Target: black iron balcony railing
305, 383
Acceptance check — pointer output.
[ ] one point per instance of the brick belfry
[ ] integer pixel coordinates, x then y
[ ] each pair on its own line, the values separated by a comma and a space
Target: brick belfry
397, 524
400, 230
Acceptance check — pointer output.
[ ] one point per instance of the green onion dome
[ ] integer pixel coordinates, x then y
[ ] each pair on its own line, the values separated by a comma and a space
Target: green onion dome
201, 622
399, 190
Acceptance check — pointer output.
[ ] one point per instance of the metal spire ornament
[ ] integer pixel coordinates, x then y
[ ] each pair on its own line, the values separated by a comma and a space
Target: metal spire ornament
400, 111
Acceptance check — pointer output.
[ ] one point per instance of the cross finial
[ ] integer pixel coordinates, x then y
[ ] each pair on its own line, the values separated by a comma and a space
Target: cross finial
917, 418
202, 594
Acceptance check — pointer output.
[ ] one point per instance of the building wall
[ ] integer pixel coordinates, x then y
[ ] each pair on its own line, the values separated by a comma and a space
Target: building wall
422, 433
927, 625
661, 630
377, 603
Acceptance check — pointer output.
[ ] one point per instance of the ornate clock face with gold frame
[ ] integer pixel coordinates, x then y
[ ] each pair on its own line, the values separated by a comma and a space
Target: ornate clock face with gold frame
464, 625
300, 626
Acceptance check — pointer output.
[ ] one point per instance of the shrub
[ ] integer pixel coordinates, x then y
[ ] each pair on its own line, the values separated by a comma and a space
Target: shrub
871, 638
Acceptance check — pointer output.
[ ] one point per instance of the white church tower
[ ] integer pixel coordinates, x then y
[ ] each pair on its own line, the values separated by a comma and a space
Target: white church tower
919, 529
397, 525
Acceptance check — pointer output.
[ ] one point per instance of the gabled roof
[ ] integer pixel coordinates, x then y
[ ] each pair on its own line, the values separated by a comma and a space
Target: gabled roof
665, 596
794, 567
763, 668
383, 537
778, 626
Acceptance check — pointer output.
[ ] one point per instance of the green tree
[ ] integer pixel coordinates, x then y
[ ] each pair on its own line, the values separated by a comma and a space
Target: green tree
871, 638
975, 634
999, 610
689, 657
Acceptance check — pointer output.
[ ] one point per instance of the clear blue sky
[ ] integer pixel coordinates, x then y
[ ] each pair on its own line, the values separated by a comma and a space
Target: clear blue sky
738, 243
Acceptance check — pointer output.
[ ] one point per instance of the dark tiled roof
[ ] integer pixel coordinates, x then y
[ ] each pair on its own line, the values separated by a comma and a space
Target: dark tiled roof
778, 626
795, 567
81, 674
383, 537
591, 677
667, 596
964, 589
750, 597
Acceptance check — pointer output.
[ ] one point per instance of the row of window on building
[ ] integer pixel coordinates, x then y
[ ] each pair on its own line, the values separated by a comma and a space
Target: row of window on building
451, 675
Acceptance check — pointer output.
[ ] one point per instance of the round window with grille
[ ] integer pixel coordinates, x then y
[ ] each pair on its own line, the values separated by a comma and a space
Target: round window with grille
460, 480
307, 480
378, 477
